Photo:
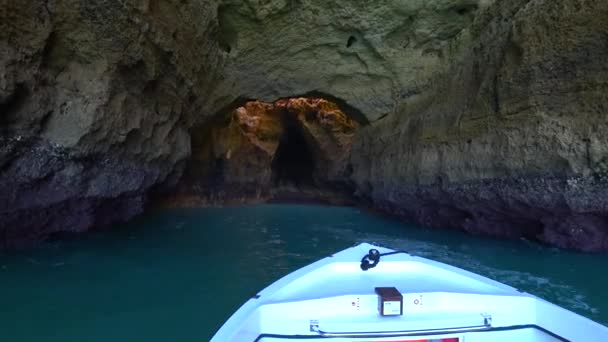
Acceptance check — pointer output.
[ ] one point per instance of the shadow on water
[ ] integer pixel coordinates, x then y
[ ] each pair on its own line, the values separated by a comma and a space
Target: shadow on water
178, 275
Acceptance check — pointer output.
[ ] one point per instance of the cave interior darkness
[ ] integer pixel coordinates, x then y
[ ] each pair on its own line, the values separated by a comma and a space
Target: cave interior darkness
293, 162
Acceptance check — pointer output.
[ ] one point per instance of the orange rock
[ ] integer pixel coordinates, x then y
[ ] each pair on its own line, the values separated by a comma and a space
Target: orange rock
240, 152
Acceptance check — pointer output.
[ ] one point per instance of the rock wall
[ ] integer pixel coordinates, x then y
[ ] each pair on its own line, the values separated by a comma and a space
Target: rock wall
486, 116
368, 54
96, 99
511, 139
482, 115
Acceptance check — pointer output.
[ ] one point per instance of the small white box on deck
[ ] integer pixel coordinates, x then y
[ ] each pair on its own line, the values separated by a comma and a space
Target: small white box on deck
390, 301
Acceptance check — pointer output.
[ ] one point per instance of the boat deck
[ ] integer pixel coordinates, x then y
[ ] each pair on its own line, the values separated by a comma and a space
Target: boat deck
341, 274
335, 298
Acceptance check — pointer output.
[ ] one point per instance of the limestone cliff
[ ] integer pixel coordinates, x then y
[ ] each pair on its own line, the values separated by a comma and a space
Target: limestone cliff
511, 139
96, 98
368, 54
476, 114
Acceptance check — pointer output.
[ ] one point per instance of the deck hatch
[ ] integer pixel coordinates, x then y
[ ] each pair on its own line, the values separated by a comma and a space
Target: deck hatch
390, 301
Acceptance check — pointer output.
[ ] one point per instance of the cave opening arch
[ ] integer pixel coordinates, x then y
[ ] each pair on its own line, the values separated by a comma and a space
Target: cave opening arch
256, 148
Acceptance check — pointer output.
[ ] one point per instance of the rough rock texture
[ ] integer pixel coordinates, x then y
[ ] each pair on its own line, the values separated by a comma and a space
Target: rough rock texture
96, 98
483, 115
369, 54
511, 140
261, 151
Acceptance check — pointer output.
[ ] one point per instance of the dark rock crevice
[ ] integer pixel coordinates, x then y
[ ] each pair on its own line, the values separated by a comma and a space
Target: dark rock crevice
293, 162
10, 105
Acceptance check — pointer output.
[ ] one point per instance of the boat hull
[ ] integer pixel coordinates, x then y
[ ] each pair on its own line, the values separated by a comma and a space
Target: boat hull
334, 298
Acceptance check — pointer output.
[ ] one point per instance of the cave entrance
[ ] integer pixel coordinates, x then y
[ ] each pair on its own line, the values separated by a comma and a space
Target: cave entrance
291, 149
293, 163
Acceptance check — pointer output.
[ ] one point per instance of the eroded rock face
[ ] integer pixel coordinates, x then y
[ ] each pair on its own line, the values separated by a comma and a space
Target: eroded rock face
488, 116
96, 99
370, 54
510, 140
261, 150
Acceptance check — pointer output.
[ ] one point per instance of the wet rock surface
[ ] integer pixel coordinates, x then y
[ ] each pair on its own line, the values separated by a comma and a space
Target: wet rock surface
551, 210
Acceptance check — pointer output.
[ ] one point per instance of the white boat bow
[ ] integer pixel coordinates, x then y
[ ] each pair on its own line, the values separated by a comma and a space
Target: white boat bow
335, 298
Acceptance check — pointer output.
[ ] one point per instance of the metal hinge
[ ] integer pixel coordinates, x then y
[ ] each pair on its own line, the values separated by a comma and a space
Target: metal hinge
487, 319
314, 325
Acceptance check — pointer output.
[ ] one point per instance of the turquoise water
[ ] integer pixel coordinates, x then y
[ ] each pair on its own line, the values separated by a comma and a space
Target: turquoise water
179, 274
